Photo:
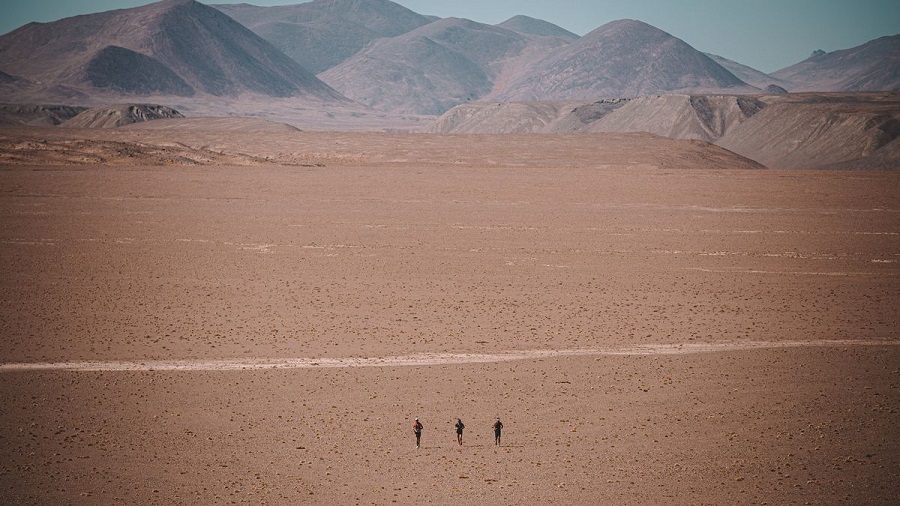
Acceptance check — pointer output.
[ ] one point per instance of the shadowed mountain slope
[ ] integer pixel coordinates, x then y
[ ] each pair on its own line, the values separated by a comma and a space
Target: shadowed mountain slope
8, 79
174, 47
118, 69
322, 33
873, 66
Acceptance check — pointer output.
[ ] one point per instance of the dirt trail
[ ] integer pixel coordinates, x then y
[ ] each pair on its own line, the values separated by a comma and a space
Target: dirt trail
425, 359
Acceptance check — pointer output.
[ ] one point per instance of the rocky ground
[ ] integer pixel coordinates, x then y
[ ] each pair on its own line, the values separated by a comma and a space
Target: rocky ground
654, 320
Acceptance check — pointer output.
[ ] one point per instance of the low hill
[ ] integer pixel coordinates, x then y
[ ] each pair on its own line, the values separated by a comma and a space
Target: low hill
703, 117
522, 117
37, 115
810, 131
120, 115
786, 131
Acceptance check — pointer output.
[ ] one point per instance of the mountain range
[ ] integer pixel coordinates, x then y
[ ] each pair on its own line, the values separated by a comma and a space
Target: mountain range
178, 48
436, 66
385, 58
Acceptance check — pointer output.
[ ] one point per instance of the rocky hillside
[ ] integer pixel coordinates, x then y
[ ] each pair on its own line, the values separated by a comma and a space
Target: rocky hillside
120, 115
793, 131
523, 117
701, 117
812, 131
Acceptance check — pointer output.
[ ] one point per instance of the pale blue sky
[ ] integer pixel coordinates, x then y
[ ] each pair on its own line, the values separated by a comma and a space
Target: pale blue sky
765, 34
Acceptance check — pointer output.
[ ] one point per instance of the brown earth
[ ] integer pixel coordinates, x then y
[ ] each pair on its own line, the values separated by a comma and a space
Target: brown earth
654, 320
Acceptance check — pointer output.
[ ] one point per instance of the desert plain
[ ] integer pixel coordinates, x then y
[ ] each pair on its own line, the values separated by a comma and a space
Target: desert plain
236, 312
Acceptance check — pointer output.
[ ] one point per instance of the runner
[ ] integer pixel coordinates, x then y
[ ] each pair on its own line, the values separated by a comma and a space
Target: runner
417, 430
498, 426
459, 430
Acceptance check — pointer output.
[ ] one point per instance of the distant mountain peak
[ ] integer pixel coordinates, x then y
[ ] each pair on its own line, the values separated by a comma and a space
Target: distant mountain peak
873, 66
167, 5
532, 26
624, 58
628, 27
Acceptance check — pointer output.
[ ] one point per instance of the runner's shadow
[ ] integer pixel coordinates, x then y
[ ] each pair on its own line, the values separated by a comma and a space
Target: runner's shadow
464, 445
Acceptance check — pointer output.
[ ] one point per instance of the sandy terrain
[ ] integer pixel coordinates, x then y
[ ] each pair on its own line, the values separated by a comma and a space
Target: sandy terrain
244, 313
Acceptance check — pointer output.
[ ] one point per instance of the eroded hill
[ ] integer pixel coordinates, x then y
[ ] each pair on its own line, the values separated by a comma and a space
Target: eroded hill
793, 131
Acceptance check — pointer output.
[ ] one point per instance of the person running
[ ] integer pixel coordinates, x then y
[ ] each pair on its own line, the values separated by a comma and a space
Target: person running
459, 430
498, 426
417, 430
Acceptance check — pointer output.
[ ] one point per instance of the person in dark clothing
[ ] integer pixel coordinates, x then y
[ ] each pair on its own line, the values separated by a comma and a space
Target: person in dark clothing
417, 430
498, 426
459, 430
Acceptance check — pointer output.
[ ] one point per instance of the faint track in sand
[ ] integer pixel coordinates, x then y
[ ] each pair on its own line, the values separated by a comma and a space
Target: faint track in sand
427, 359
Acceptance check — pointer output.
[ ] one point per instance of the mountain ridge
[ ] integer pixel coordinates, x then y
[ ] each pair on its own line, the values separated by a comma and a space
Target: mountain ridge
873, 66
624, 58
534, 26
322, 33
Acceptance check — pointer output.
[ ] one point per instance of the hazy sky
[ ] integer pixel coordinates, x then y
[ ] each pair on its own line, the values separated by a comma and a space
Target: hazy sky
765, 34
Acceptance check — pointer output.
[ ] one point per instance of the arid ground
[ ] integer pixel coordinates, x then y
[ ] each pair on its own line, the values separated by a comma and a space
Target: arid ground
203, 312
